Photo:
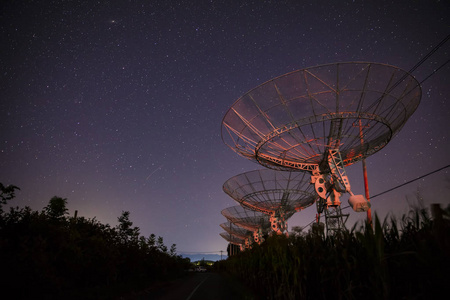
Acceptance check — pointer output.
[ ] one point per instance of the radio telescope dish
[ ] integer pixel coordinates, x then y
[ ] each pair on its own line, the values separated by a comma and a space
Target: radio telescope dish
239, 232
236, 230
321, 119
246, 218
254, 221
232, 239
291, 122
275, 193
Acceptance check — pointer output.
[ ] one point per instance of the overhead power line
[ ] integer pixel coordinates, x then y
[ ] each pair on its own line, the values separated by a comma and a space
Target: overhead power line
420, 62
434, 72
403, 184
430, 53
408, 182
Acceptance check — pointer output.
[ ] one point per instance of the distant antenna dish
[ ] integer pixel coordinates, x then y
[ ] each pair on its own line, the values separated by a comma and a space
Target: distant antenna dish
254, 221
232, 239
236, 230
275, 193
245, 235
321, 119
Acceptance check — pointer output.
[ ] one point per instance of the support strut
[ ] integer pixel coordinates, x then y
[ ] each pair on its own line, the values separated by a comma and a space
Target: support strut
330, 184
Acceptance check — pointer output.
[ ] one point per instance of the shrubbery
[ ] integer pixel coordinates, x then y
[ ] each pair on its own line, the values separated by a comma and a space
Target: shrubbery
406, 259
48, 255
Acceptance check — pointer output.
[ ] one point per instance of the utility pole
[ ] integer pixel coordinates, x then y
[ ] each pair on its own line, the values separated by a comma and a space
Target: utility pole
221, 254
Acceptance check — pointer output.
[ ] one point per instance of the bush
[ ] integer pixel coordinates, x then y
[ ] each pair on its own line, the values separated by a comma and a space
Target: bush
51, 256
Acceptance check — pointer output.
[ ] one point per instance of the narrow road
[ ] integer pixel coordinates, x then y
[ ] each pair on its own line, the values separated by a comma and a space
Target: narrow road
199, 286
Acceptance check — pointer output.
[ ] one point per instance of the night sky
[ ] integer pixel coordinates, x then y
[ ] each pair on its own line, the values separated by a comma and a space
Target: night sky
117, 105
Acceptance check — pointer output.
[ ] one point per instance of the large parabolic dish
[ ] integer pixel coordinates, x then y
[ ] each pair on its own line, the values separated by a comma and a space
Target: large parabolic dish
276, 193
270, 191
236, 230
246, 235
291, 121
246, 218
232, 238
252, 220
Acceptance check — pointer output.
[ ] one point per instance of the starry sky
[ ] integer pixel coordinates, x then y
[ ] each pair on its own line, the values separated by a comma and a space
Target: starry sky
117, 105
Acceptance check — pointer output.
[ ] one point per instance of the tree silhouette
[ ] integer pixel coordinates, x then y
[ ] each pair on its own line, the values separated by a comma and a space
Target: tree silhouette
127, 233
6, 193
56, 208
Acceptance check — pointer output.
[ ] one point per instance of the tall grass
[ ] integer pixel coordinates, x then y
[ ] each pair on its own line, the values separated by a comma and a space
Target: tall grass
396, 259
